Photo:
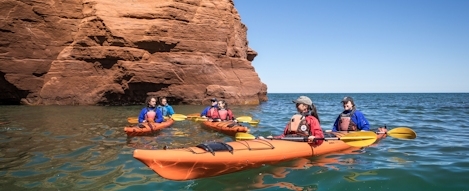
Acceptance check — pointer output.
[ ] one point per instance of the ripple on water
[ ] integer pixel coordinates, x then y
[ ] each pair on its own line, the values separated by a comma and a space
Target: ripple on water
37, 159
75, 153
69, 167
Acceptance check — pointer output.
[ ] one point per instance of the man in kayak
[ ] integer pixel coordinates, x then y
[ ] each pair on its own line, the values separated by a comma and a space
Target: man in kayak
150, 113
224, 112
304, 124
165, 108
351, 119
211, 112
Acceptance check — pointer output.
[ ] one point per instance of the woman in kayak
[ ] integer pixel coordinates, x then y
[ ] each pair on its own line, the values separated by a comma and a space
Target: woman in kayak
150, 113
211, 112
165, 108
224, 112
304, 124
350, 119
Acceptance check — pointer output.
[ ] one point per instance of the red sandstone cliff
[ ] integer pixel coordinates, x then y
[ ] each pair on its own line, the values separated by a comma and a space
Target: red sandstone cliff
86, 52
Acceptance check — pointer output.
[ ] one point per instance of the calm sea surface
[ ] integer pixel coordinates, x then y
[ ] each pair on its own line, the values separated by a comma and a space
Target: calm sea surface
85, 148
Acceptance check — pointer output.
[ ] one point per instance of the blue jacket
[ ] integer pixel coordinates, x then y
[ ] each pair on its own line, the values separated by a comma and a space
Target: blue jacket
204, 112
166, 110
158, 118
358, 118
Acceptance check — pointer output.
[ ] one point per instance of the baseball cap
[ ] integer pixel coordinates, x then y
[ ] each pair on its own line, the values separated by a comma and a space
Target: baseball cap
303, 100
213, 99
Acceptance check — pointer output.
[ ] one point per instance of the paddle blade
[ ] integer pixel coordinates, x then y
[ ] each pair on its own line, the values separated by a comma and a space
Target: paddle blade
254, 122
244, 136
402, 133
360, 138
132, 120
244, 119
177, 115
178, 118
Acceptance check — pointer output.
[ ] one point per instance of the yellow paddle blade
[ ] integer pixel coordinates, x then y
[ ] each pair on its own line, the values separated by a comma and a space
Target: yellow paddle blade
402, 133
132, 120
359, 139
178, 118
244, 136
177, 115
254, 122
244, 119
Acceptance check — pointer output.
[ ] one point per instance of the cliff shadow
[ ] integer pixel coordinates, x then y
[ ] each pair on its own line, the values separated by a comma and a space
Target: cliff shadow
10, 94
136, 94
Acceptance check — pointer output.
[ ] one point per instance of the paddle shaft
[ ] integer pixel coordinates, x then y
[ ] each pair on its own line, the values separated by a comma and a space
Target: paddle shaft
305, 139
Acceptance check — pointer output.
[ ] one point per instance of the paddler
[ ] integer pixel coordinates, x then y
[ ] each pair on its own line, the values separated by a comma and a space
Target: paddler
211, 112
305, 124
225, 113
351, 119
150, 113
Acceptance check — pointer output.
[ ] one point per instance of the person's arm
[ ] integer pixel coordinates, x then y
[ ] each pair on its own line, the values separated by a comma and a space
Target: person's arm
170, 110
316, 130
159, 108
362, 123
141, 116
335, 128
159, 116
230, 115
204, 112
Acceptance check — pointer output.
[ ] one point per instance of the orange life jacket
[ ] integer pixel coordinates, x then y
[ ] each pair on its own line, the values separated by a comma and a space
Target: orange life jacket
298, 125
346, 123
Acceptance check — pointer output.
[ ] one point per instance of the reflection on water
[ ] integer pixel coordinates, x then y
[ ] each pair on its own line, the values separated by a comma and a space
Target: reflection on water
85, 148
352, 177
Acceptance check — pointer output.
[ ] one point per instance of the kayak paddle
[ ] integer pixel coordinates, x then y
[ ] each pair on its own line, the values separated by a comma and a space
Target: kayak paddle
398, 132
354, 139
241, 119
175, 117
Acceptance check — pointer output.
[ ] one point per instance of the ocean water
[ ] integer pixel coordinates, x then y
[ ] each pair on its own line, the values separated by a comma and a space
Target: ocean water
85, 148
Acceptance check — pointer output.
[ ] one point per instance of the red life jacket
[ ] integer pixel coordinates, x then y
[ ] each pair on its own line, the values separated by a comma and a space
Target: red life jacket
223, 114
346, 123
299, 126
213, 113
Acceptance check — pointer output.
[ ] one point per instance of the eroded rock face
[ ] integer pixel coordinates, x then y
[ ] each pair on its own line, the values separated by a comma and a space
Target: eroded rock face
118, 52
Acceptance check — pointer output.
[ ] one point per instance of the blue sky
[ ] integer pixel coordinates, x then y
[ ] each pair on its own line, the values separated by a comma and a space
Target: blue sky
359, 46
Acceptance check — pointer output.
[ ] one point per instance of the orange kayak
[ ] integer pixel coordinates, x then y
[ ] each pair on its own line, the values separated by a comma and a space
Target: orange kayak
226, 127
216, 158
146, 128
